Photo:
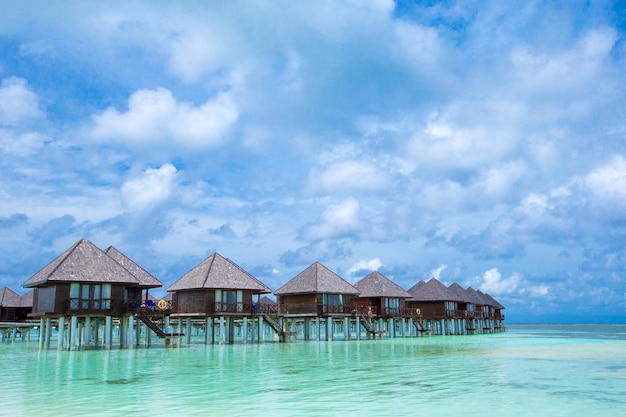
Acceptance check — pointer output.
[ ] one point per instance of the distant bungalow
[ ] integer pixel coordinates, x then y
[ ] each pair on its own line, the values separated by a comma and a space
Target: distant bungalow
436, 305
381, 298
317, 296
14, 307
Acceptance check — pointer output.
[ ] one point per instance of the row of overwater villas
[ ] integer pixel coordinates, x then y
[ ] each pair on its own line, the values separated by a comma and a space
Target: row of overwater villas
90, 298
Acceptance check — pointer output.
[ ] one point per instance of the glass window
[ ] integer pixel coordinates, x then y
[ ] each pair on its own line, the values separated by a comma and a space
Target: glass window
96, 296
84, 296
106, 296
74, 294
74, 290
106, 290
229, 297
392, 302
333, 299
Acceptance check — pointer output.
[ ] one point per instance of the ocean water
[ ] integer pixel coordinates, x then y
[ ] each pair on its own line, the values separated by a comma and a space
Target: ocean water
547, 370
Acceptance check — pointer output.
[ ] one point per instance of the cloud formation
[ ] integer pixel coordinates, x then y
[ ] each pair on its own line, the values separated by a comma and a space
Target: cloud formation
151, 188
400, 136
155, 118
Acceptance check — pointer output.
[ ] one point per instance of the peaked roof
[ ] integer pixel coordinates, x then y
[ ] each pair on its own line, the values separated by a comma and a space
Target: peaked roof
83, 262
26, 300
492, 301
460, 291
433, 290
217, 272
376, 284
266, 300
416, 287
317, 279
9, 298
480, 301
146, 279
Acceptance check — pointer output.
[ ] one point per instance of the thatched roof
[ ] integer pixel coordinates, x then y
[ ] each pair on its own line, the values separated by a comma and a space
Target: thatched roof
433, 290
489, 299
146, 279
464, 294
416, 287
376, 284
26, 300
266, 300
217, 272
480, 301
9, 298
319, 280
83, 262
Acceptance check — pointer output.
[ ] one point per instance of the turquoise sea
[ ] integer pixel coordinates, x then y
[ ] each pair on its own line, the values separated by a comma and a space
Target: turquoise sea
538, 370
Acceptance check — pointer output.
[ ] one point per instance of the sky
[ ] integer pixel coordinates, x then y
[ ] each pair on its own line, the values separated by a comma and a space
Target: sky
481, 142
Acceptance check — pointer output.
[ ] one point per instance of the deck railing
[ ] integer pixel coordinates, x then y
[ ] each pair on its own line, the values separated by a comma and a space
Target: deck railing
271, 309
366, 310
88, 305
149, 305
221, 307
336, 308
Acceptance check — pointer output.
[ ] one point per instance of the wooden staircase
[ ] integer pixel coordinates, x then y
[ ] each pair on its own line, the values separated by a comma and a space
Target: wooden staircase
141, 315
419, 325
367, 323
276, 326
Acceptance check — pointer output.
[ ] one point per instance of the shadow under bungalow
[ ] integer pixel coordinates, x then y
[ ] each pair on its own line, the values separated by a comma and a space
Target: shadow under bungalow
88, 298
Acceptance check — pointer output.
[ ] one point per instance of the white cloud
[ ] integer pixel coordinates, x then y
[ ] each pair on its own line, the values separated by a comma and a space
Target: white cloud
608, 182
445, 143
336, 220
23, 144
436, 273
493, 283
348, 175
153, 187
155, 117
370, 265
420, 46
17, 102
499, 181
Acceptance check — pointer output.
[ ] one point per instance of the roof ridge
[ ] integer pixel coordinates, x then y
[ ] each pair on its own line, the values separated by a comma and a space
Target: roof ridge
247, 273
68, 253
134, 263
208, 270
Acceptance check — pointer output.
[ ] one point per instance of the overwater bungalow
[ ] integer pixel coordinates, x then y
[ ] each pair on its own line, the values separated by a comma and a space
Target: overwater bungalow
138, 293
14, 310
14, 307
317, 291
490, 308
320, 294
89, 287
217, 289
382, 298
436, 306
498, 316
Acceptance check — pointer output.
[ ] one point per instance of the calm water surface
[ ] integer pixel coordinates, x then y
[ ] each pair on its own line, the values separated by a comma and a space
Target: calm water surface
530, 370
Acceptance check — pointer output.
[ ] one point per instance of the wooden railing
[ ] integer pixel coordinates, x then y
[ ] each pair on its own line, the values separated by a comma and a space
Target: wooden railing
271, 309
88, 305
150, 305
221, 307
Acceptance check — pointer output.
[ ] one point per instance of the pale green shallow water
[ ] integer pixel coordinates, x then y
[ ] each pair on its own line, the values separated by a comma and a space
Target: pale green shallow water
528, 371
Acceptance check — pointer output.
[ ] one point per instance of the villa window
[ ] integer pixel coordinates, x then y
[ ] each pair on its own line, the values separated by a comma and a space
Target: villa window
333, 299
90, 296
392, 305
229, 300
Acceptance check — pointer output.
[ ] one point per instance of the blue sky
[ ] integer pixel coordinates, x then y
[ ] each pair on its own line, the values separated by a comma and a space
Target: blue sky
479, 142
